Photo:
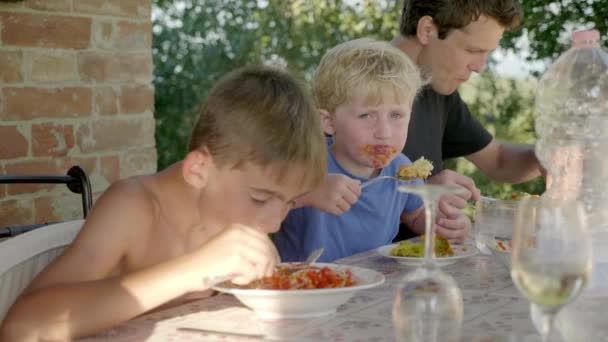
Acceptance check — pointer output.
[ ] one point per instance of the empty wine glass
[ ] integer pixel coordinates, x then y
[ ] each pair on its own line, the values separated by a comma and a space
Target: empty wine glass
551, 254
428, 304
428, 307
430, 194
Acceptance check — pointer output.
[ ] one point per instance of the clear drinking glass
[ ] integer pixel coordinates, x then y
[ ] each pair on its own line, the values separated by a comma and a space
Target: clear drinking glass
493, 221
430, 194
428, 304
551, 254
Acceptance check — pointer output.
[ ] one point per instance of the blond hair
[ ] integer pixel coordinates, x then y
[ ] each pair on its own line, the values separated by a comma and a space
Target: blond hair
263, 115
365, 64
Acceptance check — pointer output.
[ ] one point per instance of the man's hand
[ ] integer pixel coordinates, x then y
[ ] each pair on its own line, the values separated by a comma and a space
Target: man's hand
449, 177
335, 195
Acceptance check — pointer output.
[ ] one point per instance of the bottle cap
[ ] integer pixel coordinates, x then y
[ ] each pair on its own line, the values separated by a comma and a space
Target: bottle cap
586, 38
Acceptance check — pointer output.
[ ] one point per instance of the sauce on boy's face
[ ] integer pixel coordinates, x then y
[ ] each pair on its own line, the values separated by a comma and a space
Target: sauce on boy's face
450, 61
255, 196
368, 137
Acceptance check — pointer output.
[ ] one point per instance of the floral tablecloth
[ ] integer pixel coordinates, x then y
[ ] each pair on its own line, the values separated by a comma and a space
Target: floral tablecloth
493, 311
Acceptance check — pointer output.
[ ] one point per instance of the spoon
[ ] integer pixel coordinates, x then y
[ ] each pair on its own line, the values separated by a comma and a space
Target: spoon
314, 256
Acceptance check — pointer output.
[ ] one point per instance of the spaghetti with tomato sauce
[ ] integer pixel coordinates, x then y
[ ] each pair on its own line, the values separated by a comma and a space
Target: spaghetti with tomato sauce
308, 277
381, 154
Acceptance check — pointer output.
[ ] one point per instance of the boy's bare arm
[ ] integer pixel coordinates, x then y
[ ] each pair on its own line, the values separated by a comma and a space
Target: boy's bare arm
79, 294
76, 294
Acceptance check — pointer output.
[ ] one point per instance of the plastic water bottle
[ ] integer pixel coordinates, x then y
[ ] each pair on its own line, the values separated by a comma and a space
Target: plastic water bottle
572, 129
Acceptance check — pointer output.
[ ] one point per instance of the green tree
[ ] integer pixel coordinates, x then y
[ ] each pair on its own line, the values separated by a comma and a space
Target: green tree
547, 25
198, 41
506, 108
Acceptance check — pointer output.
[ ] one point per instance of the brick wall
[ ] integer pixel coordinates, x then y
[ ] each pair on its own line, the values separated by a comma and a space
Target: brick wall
75, 88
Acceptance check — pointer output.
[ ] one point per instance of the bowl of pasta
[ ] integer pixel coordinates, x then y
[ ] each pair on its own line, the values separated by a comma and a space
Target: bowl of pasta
294, 291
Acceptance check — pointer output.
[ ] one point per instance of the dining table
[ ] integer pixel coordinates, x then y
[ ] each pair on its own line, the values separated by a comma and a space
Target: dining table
494, 311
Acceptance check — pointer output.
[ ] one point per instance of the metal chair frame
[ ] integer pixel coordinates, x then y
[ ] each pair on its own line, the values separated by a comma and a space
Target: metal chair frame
76, 180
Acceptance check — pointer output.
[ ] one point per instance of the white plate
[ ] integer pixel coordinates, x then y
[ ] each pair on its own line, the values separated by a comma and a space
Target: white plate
504, 257
460, 252
306, 303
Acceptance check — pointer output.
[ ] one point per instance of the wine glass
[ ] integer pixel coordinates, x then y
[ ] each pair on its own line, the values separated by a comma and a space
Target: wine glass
551, 254
430, 194
428, 307
428, 304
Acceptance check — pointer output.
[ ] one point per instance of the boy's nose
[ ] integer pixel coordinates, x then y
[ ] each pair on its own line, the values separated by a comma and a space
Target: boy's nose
271, 221
383, 129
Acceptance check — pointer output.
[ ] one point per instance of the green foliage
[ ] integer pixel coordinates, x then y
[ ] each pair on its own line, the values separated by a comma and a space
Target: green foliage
197, 41
548, 23
506, 108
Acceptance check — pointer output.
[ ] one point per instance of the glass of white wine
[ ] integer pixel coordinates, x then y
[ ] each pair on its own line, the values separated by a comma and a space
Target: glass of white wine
551, 254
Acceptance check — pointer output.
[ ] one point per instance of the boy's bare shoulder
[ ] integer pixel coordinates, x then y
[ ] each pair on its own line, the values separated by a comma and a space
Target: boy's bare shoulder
126, 211
131, 198
121, 218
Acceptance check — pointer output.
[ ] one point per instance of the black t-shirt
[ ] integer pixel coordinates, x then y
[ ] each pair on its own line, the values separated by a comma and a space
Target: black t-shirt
441, 127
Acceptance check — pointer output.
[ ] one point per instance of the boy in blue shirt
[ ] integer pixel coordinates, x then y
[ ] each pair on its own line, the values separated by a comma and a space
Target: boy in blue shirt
365, 90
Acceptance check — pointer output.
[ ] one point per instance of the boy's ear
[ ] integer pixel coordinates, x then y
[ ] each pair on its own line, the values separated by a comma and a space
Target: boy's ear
426, 30
326, 122
197, 166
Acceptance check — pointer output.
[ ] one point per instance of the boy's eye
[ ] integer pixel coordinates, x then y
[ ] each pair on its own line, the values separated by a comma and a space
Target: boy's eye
396, 115
259, 200
364, 115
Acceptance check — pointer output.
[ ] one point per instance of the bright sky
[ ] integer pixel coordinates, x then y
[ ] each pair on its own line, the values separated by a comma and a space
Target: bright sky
515, 65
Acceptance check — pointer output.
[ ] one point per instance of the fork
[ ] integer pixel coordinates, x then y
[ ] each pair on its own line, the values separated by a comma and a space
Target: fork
312, 257
377, 179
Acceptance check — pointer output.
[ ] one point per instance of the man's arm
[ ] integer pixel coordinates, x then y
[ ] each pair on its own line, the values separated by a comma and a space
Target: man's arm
507, 162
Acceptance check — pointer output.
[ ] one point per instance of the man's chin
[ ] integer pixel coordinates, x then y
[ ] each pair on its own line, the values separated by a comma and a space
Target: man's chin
445, 89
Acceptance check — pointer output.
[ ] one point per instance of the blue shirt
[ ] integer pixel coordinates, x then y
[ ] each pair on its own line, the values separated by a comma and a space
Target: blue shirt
373, 221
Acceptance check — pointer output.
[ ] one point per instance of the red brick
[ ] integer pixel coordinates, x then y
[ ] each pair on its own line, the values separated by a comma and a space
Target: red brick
30, 103
31, 168
53, 67
133, 36
138, 162
137, 99
46, 5
10, 5
106, 101
2, 191
48, 31
125, 8
59, 207
52, 139
88, 164
103, 33
116, 134
11, 66
110, 168
44, 210
57, 166
16, 212
13, 144
105, 67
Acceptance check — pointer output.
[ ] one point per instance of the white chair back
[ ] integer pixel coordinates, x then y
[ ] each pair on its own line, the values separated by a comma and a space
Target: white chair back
24, 256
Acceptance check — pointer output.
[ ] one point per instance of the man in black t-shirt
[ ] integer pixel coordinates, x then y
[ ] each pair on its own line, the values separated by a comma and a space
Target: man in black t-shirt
449, 40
